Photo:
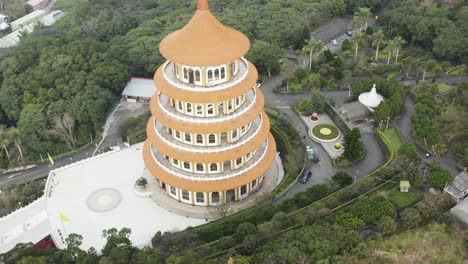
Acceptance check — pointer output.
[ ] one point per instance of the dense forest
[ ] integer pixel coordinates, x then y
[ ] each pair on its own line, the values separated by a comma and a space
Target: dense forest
59, 83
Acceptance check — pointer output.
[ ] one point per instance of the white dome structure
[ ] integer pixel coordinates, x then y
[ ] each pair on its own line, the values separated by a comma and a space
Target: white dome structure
4, 26
371, 99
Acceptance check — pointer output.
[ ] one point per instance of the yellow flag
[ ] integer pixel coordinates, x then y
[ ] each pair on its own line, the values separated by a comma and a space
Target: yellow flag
50, 159
64, 218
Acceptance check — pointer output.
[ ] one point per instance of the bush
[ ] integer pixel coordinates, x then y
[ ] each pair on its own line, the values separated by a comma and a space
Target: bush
342, 179
281, 220
386, 225
127, 125
226, 242
249, 244
439, 177
157, 238
409, 151
346, 45
372, 209
410, 218
349, 221
243, 230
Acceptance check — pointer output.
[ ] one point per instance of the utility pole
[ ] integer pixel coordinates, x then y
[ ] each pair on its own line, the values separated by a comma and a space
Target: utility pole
380, 125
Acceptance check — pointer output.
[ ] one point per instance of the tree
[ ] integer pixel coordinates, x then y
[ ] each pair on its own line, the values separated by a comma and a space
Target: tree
266, 57
312, 46
378, 39
408, 151
410, 218
221, 211
414, 176
438, 177
390, 48
15, 136
5, 140
116, 240
386, 225
364, 14
357, 38
342, 179
353, 147
64, 127
398, 42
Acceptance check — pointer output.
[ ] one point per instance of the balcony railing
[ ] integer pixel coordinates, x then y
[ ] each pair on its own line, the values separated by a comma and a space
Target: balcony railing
247, 105
170, 77
165, 165
251, 133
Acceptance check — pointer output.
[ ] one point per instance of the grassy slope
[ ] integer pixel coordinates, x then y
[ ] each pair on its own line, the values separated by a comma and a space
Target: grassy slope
431, 244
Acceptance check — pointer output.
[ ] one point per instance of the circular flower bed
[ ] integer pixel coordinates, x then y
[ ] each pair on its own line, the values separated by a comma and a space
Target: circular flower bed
325, 132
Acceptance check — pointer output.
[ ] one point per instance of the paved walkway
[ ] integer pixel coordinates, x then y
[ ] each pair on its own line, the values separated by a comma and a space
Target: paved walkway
328, 146
272, 178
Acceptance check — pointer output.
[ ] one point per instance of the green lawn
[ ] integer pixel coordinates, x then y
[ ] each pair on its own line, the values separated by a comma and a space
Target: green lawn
431, 244
394, 138
443, 88
402, 200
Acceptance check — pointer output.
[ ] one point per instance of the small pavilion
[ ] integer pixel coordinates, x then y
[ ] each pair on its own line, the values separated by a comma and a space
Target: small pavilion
371, 99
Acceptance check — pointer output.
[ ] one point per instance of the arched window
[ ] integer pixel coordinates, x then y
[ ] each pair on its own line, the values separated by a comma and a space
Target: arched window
212, 139
199, 110
197, 75
200, 167
234, 134
237, 101
215, 197
213, 167
189, 107
188, 137
185, 195
176, 70
200, 197
243, 189
187, 165
216, 74
177, 134
185, 73
210, 109
175, 162
223, 73
199, 139
210, 75
180, 106
230, 105
238, 161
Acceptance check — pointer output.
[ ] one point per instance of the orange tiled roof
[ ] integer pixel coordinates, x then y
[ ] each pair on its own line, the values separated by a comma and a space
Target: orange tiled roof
204, 41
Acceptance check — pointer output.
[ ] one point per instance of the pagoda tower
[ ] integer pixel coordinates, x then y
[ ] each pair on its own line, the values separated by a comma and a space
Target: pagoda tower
208, 138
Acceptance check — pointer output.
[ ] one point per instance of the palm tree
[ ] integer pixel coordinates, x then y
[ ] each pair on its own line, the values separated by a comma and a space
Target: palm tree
313, 46
356, 24
5, 140
303, 55
15, 136
398, 42
364, 15
357, 37
378, 38
390, 47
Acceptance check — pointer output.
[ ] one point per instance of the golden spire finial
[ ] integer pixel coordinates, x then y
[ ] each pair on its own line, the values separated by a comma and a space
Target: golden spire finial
203, 4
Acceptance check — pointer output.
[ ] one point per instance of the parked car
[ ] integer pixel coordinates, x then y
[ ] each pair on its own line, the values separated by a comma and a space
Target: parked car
305, 177
349, 32
334, 42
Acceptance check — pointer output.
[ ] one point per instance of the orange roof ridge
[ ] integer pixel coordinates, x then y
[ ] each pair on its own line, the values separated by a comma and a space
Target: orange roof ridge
203, 4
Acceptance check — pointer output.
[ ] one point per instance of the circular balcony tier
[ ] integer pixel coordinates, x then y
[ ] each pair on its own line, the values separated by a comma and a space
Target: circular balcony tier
198, 155
211, 185
204, 41
205, 95
200, 125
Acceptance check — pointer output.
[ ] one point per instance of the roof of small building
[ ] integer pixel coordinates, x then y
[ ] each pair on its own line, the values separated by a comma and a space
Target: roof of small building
354, 110
458, 186
140, 87
35, 2
28, 17
204, 41
405, 184
461, 211
371, 99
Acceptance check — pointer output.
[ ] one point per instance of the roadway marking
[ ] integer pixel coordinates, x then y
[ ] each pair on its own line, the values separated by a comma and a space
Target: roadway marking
282, 107
13, 175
